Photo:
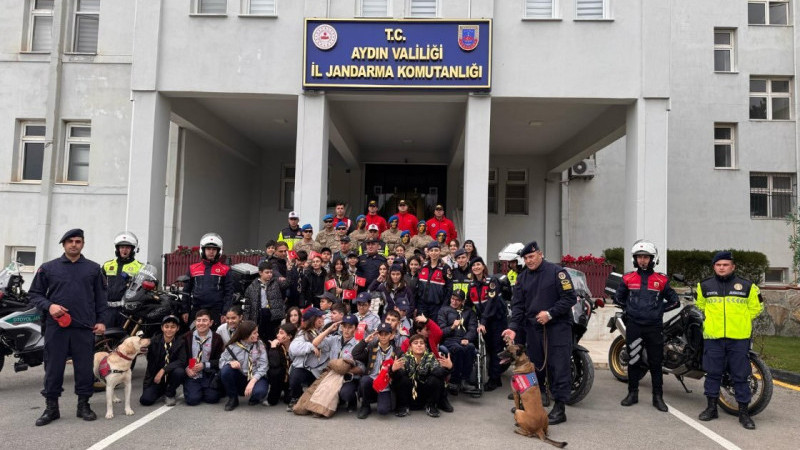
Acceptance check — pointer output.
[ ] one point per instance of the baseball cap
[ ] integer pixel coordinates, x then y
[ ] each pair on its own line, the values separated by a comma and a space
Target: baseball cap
432, 244
350, 320
460, 294
372, 203
372, 227
439, 207
293, 215
402, 203
384, 328
170, 318
402, 304
332, 298
312, 313
344, 239
363, 297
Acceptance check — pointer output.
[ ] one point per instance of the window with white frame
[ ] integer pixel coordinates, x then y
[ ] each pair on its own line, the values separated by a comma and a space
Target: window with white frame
287, 187
724, 146
422, 8
30, 156
516, 198
40, 26
210, 7
763, 12
373, 8
724, 50
76, 152
539, 9
259, 7
591, 9
770, 98
85, 25
493, 191
26, 256
771, 195
776, 275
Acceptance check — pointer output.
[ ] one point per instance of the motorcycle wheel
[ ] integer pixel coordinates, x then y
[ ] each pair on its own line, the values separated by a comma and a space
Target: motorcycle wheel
618, 359
582, 376
760, 384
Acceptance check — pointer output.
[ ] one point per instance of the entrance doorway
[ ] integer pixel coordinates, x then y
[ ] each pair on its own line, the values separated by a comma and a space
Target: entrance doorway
421, 186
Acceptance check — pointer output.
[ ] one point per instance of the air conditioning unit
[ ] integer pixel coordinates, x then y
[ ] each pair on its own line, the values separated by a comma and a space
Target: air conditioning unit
584, 169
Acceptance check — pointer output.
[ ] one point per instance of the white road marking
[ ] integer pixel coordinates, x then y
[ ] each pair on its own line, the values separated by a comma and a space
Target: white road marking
130, 428
699, 427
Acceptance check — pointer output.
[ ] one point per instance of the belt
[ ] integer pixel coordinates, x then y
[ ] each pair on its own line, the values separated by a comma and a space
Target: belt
116, 304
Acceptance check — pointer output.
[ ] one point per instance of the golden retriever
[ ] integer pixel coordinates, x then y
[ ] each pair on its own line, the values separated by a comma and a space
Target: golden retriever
119, 371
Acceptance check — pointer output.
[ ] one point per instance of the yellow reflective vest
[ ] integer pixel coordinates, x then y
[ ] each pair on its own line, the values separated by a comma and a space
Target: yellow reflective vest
729, 306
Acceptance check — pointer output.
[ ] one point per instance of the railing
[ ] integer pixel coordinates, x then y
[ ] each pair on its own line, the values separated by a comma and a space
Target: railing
176, 265
596, 275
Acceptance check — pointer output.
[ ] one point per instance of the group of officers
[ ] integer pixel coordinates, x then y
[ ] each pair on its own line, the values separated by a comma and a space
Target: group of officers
78, 298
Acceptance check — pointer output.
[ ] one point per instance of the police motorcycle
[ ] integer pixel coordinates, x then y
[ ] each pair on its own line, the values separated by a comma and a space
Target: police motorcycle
683, 351
20, 322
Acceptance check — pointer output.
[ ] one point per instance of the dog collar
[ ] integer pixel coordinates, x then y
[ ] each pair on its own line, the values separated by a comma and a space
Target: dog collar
122, 355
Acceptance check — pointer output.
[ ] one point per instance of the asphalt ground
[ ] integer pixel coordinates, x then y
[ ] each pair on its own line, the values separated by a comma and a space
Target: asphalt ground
598, 420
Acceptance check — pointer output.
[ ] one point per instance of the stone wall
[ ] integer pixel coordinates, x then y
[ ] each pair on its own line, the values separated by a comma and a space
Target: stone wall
781, 316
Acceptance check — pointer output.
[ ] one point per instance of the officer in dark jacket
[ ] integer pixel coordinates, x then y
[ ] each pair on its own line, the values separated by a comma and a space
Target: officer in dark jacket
434, 283
210, 284
119, 272
166, 363
644, 295
368, 263
541, 303
71, 293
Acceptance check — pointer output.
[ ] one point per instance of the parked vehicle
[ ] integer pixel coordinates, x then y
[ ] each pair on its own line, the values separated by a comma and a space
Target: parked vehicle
20, 322
581, 362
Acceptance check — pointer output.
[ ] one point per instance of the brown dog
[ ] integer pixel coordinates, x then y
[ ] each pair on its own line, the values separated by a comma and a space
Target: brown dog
115, 368
532, 421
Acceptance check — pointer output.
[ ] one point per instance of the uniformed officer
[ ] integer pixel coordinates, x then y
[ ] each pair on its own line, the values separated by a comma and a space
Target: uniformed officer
462, 273
541, 305
326, 237
434, 283
369, 263
210, 285
421, 240
392, 235
645, 295
292, 233
119, 272
730, 304
71, 292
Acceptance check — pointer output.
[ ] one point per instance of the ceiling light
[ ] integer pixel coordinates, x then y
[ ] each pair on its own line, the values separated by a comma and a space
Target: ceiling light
281, 121
535, 123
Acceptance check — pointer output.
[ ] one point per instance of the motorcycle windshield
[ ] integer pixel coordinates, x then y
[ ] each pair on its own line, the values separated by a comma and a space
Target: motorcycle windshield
8, 272
579, 280
146, 273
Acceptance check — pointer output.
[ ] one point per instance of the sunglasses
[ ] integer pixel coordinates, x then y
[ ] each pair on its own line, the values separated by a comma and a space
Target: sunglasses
308, 231
328, 221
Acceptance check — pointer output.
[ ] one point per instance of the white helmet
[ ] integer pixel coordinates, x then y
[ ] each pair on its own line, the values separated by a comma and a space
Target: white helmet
126, 238
210, 240
644, 247
511, 252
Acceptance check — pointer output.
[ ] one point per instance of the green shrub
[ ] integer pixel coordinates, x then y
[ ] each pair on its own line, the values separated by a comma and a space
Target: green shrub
695, 265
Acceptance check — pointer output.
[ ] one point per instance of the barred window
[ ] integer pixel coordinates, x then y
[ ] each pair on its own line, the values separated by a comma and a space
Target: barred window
771, 195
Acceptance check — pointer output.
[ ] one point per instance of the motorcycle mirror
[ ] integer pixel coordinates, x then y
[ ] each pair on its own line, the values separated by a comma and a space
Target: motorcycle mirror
679, 277
599, 303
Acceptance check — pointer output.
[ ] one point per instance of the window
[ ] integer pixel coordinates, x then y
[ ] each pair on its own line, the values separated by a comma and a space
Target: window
259, 7
493, 191
40, 26
374, 8
85, 26
517, 191
287, 187
76, 154
590, 9
723, 50
423, 8
775, 275
770, 99
211, 7
539, 9
771, 195
724, 146
31, 151
768, 13
25, 256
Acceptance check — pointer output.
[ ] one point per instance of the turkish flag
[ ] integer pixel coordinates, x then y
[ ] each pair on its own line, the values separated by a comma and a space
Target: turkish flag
330, 284
361, 281
349, 294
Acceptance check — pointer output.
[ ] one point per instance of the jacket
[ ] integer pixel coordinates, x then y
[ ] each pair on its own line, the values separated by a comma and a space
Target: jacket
548, 288
119, 274
394, 293
419, 242
407, 222
461, 278
434, 225
467, 329
301, 352
367, 353
392, 238
642, 295
489, 304
357, 238
156, 354
307, 246
434, 285
420, 371
217, 346
275, 299
210, 285
367, 266
257, 354
730, 304
312, 284
278, 361
375, 219
326, 238
290, 236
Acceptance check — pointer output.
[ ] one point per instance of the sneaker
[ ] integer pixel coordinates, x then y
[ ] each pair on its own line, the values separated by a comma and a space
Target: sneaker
364, 412
431, 411
290, 407
170, 401
444, 405
402, 412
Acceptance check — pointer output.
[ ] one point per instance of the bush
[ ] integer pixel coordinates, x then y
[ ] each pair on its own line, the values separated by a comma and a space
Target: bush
695, 265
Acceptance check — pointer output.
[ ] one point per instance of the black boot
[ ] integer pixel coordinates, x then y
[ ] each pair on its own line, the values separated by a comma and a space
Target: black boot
744, 417
631, 399
444, 404
84, 411
711, 410
233, 402
557, 414
658, 403
50, 413
545, 399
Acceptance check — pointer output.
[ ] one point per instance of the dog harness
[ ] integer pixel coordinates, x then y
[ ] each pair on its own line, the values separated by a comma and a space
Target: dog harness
524, 381
103, 369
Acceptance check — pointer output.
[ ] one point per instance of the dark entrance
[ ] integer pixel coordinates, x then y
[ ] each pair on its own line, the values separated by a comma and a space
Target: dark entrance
421, 186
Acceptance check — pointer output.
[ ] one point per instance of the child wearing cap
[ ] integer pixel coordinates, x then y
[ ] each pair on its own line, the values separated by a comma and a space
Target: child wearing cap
343, 348
166, 358
364, 314
372, 353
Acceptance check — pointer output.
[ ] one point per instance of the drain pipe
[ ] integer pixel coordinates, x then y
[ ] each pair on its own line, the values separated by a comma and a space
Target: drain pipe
565, 212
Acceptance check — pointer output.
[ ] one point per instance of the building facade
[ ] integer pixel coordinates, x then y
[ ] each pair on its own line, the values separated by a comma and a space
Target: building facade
173, 118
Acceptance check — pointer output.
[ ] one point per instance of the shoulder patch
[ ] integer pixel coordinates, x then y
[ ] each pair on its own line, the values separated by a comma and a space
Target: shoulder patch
566, 285
562, 275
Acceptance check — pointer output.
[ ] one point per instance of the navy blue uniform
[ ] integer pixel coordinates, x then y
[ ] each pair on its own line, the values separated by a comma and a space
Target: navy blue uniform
367, 267
81, 289
548, 288
211, 288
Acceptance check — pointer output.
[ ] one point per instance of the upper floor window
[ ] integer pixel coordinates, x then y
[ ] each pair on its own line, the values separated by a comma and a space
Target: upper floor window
517, 191
76, 152
374, 8
423, 8
724, 146
40, 26
493, 191
762, 12
770, 98
591, 9
31, 152
724, 50
287, 187
85, 26
259, 7
539, 9
211, 7
771, 195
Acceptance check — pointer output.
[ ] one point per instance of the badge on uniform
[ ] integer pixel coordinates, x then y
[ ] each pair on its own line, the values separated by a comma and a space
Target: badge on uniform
737, 286
562, 276
566, 285
492, 285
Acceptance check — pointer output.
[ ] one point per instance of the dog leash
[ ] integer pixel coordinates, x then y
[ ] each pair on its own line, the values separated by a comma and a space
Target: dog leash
546, 370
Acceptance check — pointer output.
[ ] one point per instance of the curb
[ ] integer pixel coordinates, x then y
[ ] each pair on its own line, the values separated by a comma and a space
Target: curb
785, 376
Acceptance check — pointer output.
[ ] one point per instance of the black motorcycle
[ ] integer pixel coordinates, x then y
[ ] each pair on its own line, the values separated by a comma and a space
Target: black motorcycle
20, 322
683, 353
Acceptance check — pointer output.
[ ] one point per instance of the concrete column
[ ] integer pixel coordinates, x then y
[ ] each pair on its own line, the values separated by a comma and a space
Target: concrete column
311, 156
646, 176
148, 172
476, 171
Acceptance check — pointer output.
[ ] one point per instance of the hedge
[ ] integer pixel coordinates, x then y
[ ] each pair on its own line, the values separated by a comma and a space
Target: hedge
695, 265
